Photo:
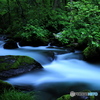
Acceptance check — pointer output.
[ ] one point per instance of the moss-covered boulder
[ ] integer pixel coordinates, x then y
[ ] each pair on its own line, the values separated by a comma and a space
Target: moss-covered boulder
92, 54
15, 65
65, 97
5, 86
10, 44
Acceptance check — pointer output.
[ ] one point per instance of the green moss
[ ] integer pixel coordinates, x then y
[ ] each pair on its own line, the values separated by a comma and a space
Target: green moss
22, 60
92, 97
8, 62
4, 66
1, 59
65, 97
90, 52
5, 85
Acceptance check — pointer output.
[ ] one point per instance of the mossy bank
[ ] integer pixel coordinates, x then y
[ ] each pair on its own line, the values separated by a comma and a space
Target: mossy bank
7, 92
15, 65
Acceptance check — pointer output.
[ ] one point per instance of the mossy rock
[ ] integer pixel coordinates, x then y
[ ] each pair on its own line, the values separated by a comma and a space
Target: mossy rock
5, 85
65, 97
14, 65
91, 54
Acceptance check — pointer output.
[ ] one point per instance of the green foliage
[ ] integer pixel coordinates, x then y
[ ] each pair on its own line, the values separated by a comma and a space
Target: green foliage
29, 31
65, 97
82, 23
92, 97
4, 85
78, 21
16, 95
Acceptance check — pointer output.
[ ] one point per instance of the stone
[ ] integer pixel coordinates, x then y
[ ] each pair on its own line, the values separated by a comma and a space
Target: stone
10, 44
92, 54
15, 65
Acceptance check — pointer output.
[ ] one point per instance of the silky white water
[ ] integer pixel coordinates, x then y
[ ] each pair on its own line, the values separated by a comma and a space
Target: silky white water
66, 71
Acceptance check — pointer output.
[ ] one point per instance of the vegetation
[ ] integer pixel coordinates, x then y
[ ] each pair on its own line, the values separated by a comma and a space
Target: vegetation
68, 97
16, 95
65, 97
77, 21
8, 62
5, 86
7, 92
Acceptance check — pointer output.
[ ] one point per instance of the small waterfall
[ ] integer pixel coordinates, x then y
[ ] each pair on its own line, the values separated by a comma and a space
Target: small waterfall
2, 43
3, 38
49, 44
18, 45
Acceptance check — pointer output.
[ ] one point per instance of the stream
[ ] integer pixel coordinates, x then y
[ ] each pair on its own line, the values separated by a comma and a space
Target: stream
67, 72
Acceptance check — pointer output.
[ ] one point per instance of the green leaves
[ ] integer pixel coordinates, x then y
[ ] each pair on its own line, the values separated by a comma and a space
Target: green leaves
82, 23
36, 32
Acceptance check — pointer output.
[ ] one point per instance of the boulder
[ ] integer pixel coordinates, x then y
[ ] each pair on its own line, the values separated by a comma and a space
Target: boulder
92, 54
15, 65
10, 44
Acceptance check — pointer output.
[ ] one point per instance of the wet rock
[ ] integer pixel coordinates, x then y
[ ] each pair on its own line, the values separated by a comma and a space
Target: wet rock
15, 65
10, 44
49, 56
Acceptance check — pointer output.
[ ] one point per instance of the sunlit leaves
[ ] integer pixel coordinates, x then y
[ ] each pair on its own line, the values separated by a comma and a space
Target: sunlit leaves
36, 32
83, 22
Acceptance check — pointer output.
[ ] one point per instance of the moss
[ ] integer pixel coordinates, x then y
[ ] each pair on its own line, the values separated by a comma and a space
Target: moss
92, 97
91, 53
65, 97
88, 52
5, 85
3, 66
8, 62
22, 60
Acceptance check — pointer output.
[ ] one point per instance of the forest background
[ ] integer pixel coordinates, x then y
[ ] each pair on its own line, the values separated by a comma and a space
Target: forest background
77, 21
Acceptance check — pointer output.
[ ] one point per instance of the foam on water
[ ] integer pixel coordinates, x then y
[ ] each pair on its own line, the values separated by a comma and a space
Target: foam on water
65, 68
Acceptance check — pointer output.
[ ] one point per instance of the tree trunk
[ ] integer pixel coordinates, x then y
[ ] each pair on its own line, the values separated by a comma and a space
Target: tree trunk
21, 9
56, 4
9, 15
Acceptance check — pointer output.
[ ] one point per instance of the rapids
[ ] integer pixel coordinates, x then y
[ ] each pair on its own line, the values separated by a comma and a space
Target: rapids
67, 72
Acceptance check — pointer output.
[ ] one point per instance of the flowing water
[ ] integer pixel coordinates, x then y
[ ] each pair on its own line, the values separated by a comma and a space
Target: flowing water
67, 72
